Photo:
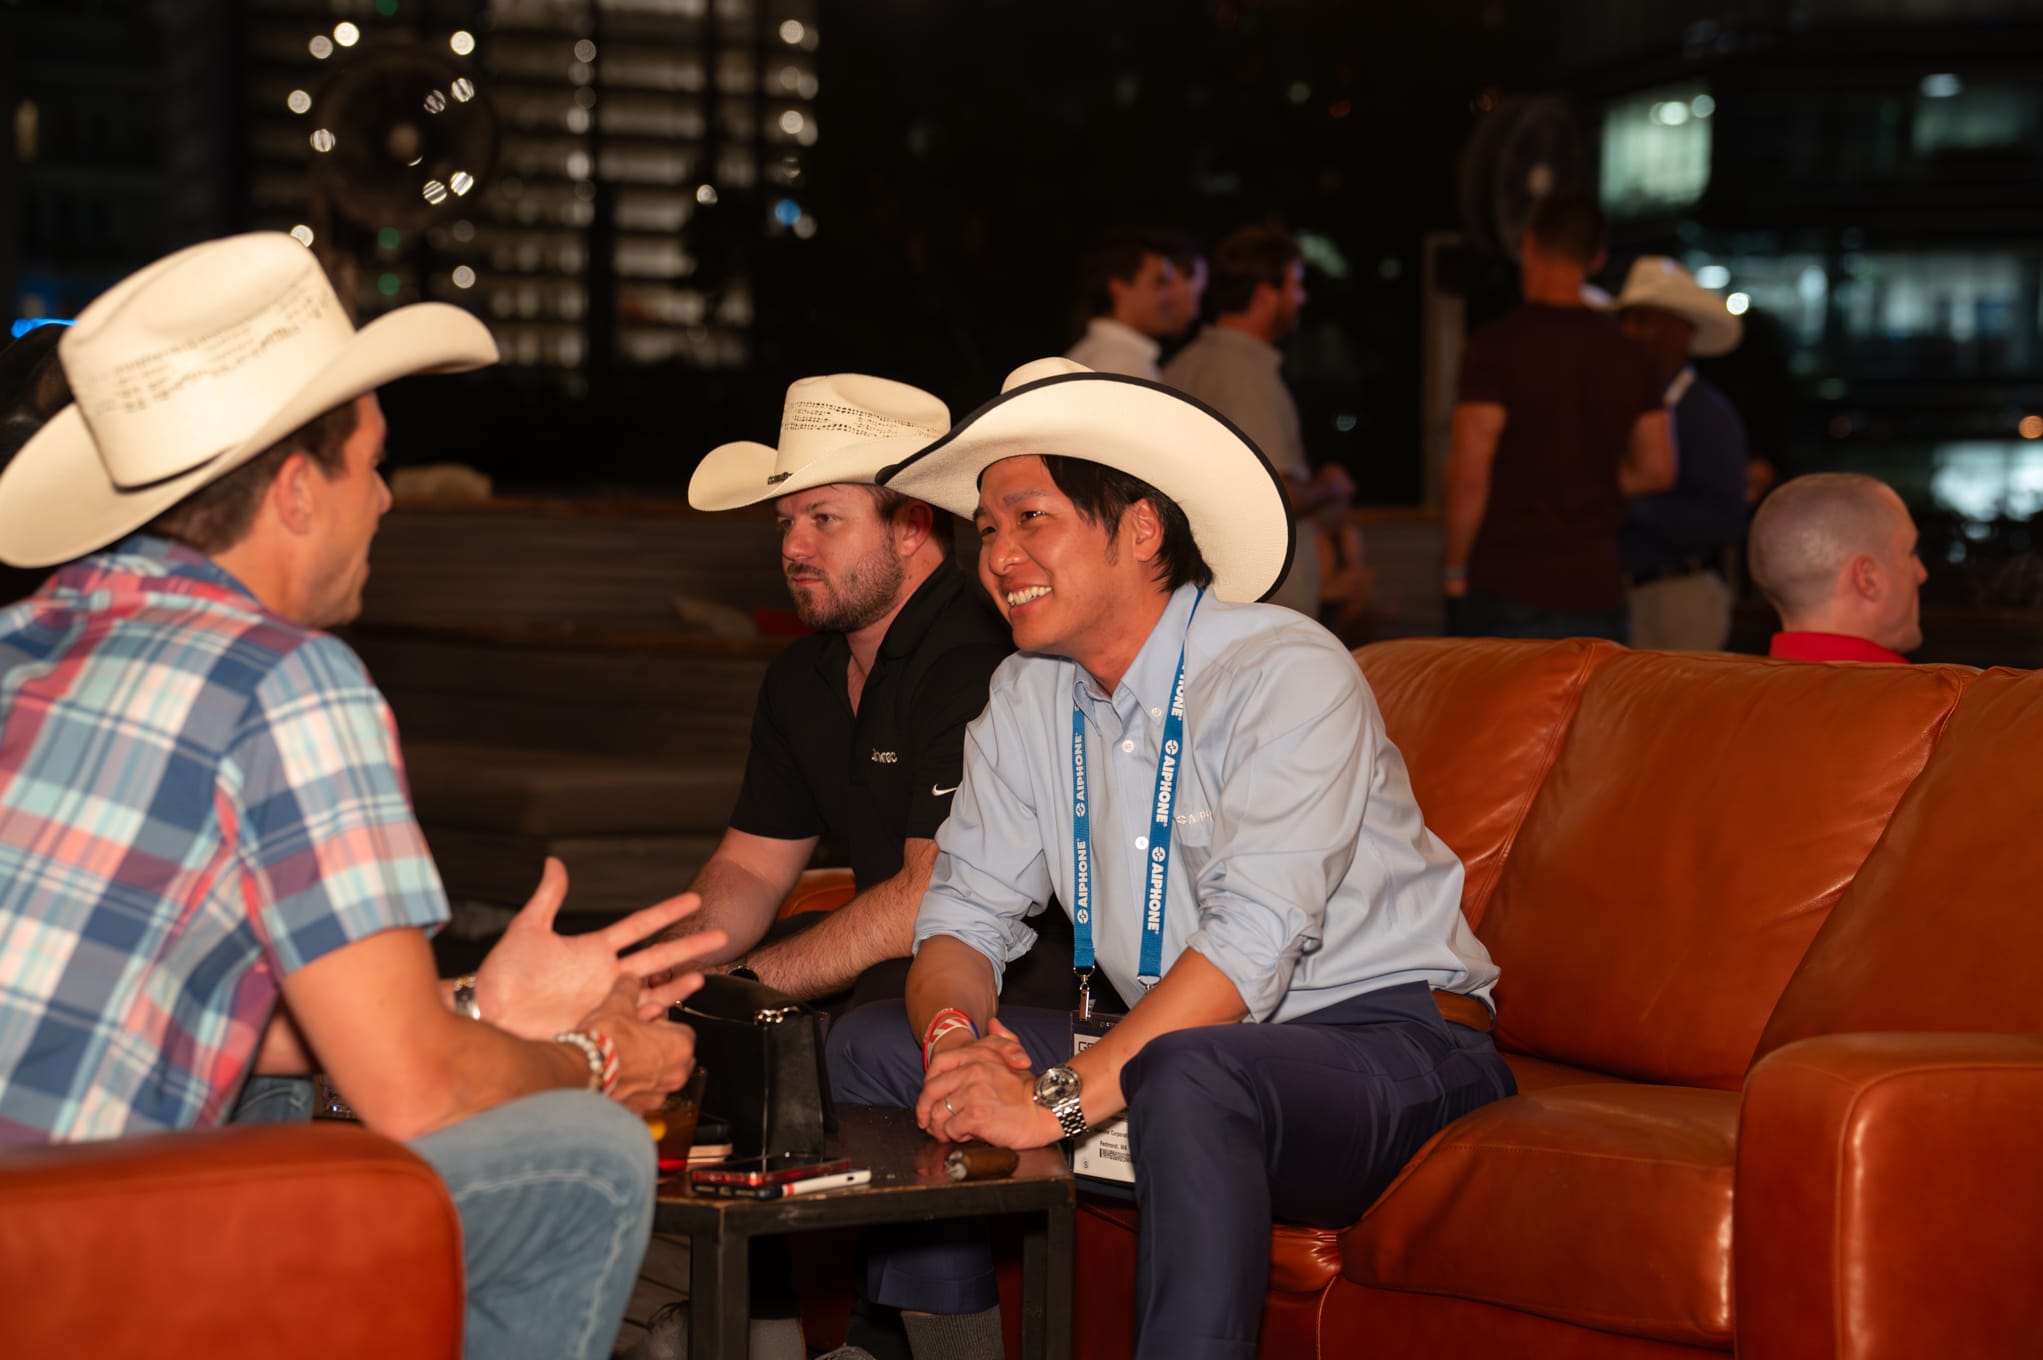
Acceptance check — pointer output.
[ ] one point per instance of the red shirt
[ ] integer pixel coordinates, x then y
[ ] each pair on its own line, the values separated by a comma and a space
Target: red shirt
1829, 647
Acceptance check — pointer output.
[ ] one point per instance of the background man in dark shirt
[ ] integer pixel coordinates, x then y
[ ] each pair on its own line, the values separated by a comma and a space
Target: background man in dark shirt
1674, 543
1559, 419
859, 729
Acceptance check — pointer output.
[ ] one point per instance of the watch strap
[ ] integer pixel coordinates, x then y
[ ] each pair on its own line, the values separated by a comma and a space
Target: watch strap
1071, 1118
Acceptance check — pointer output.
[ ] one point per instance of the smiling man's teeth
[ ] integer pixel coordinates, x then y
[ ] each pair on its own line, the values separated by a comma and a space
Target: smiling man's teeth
1017, 598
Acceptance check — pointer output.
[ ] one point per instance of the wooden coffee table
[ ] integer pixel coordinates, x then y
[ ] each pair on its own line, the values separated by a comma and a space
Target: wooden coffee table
908, 1185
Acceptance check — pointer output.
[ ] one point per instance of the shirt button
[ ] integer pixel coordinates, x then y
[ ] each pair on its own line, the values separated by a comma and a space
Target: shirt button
1128, 745
1156, 713
1142, 842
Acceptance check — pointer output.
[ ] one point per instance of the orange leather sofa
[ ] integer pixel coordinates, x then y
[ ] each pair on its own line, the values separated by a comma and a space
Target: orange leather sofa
1768, 933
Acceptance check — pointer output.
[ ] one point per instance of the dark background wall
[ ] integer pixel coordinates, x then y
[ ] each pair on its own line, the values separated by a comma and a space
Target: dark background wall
968, 151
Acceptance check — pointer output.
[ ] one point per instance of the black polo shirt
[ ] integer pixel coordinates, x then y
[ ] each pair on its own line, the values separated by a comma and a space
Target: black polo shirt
869, 781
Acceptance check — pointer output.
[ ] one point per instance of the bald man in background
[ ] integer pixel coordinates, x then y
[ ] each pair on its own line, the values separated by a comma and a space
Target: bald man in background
1834, 553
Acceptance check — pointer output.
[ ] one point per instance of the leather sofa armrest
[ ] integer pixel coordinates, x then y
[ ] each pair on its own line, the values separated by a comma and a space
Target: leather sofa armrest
237, 1243
1886, 1193
819, 890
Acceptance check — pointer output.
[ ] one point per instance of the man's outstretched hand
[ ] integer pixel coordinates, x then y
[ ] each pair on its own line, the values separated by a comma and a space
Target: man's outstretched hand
538, 982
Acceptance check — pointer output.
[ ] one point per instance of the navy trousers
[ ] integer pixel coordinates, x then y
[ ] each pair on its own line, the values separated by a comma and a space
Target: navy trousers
1233, 1125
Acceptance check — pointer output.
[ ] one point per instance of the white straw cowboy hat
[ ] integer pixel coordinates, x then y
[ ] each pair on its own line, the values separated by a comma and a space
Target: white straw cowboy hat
186, 370
1182, 447
840, 428
1658, 282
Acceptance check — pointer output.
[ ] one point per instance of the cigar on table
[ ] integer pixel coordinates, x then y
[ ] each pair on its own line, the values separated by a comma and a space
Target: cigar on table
980, 1162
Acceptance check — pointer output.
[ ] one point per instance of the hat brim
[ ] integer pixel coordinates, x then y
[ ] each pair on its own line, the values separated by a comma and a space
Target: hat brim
1229, 492
1716, 331
732, 476
57, 500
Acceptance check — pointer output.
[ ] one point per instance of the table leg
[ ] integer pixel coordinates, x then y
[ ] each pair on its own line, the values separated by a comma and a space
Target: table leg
1047, 1246
719, 1296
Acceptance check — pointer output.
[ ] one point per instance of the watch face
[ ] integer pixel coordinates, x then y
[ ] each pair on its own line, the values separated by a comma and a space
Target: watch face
1056, 1086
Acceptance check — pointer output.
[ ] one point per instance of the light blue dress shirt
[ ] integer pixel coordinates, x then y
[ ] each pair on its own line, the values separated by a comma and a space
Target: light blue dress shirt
1300, 864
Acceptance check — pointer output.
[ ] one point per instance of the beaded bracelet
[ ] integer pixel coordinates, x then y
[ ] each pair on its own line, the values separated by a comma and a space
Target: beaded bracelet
601, 1051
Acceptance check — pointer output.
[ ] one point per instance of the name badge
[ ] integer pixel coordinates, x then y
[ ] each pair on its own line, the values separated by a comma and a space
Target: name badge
1106, 1152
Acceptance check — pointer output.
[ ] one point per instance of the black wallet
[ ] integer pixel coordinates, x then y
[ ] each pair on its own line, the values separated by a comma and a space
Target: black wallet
767, 1076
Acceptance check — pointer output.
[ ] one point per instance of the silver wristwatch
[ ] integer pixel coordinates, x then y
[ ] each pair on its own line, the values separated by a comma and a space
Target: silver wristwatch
1057, 1091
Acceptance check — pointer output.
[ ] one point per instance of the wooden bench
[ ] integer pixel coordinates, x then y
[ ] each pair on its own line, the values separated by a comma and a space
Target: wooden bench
553, 698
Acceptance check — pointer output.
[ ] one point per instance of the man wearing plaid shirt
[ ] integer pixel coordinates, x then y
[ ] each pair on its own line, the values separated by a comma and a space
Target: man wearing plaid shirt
209, 867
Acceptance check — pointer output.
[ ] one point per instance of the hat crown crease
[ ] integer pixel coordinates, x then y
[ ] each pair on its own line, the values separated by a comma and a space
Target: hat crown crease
822, 416
164, 389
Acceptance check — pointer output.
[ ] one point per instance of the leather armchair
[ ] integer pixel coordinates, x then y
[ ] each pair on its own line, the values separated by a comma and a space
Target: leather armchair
242, 1243
1887, 1186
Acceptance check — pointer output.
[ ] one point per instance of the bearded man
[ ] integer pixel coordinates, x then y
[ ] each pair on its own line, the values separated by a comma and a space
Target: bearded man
858, 734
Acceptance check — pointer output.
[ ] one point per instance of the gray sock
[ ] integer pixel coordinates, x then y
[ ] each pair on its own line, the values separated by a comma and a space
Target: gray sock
955, 1336
777, 1339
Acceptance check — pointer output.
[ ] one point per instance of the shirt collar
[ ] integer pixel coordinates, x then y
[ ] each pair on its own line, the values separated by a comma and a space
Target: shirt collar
1678, 385
144, 561
923, 609
909, 627
1109, 331
1148, 680
1829, 647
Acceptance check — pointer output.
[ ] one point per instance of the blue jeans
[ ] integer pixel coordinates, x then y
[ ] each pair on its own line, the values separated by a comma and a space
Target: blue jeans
1233, 1125
273, 1100
555, 1193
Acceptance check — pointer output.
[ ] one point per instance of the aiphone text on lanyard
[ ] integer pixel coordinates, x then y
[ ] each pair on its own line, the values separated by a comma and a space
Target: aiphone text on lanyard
1169, 760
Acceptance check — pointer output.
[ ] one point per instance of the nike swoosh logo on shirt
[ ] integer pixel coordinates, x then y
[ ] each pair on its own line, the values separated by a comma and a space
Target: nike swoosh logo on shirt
941, 792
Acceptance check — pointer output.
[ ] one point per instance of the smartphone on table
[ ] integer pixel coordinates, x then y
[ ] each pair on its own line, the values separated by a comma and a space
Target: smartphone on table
770, 1177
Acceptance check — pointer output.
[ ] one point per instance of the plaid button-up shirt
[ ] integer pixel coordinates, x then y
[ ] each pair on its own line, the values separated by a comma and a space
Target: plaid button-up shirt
196, 798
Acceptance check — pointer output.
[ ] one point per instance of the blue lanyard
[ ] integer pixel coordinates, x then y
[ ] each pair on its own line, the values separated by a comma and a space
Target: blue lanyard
1169, 760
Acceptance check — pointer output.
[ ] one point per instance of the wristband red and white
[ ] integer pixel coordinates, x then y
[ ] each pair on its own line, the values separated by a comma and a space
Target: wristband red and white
949, 1020
601, 1051
611, 1068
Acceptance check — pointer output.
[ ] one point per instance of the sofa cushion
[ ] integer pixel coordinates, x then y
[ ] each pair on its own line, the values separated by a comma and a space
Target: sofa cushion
1359, 1321
1519, 695
1889, 957
1703, 815
1606, 1206
533, 792
1537, 1074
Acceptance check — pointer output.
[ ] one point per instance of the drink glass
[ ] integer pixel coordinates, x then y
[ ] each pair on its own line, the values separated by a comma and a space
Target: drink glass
672, 1123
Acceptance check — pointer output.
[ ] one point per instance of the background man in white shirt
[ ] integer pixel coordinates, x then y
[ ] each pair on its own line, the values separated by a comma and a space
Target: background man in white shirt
1132, 301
